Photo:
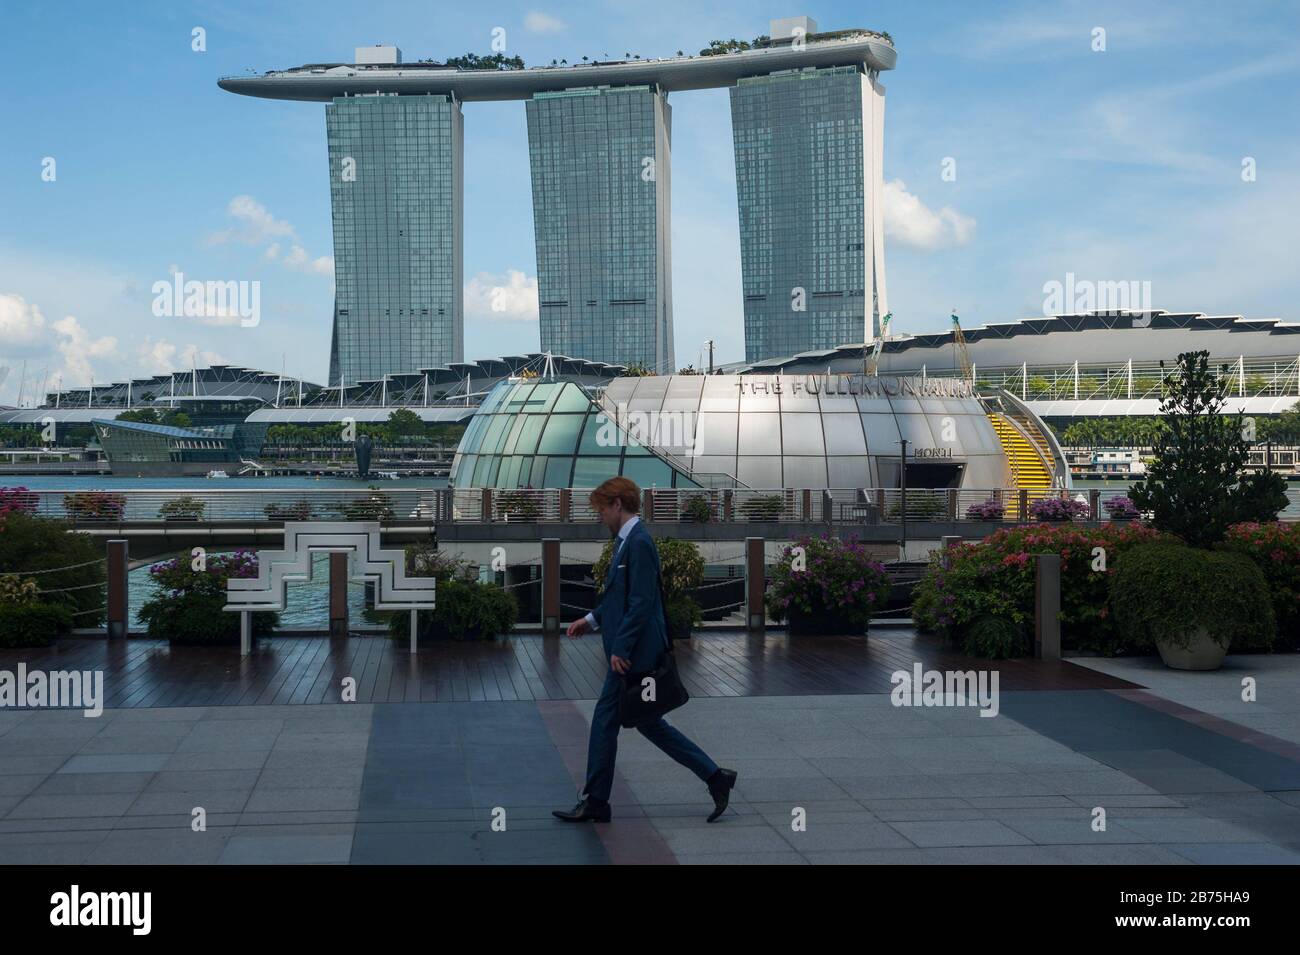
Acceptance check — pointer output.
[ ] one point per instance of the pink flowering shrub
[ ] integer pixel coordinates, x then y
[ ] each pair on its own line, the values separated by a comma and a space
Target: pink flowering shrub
967, 586
17, 500
1275, 547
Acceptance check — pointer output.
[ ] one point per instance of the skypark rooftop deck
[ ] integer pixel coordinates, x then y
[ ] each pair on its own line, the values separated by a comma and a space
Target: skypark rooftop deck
323, 82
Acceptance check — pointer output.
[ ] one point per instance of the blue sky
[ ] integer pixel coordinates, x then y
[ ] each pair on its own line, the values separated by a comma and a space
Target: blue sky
1122, 164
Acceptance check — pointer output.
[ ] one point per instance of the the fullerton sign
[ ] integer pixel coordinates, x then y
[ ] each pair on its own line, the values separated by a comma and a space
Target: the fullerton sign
867, 385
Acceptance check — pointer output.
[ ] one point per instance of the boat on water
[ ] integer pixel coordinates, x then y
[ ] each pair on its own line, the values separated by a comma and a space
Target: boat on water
218, 474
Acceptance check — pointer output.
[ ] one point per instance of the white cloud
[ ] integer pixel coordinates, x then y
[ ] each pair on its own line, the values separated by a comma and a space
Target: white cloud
21, 322
161, 356
912, 223
77, 348
300, 261
538, 22
255, 225
512, 297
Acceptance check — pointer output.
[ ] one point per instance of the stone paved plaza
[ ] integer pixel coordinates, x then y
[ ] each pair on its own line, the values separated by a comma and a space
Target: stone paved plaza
1185, 772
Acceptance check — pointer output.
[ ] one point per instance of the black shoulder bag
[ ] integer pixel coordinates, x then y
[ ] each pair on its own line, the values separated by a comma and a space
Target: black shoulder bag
663, 684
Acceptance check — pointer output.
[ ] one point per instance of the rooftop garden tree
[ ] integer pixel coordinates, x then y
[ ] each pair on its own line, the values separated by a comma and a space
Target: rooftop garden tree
493, 61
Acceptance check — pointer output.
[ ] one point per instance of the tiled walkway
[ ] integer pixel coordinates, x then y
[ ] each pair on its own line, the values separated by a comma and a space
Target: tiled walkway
474, 782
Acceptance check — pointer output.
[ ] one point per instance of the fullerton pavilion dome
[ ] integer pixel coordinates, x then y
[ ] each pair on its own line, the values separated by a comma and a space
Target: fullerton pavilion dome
747, 431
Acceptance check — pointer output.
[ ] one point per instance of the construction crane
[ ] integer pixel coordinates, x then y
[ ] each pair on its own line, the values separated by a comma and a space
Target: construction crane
872, 364
959, 346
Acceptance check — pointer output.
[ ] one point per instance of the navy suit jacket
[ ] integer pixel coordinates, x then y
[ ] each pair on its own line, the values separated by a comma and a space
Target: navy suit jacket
632, 582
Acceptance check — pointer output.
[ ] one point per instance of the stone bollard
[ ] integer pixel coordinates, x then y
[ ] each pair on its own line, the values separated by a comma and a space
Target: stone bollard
755, 585
1047, 606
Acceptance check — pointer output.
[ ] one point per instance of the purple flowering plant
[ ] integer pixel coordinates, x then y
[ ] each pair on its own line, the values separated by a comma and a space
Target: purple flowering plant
1121, 508
819, 575
1058, 509
191, 594
990, 510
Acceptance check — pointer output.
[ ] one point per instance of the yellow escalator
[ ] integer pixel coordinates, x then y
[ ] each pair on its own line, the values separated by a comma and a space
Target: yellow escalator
1028, 470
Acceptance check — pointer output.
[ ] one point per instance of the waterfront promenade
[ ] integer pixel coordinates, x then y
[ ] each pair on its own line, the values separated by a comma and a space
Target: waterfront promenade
414, 771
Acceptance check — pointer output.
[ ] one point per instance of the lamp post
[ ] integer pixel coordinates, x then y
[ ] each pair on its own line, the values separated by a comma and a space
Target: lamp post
902, 500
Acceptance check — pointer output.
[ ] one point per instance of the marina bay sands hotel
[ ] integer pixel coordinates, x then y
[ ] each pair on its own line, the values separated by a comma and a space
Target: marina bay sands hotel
807, 111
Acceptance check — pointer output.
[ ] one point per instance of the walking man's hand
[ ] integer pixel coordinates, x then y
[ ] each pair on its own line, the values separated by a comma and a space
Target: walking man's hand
619, 665
578, 628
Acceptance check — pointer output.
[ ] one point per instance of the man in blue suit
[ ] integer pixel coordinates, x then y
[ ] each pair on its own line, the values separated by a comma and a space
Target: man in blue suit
631, 619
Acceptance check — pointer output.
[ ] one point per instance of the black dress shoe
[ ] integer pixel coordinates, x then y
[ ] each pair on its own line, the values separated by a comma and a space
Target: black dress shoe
720, 785
585, 811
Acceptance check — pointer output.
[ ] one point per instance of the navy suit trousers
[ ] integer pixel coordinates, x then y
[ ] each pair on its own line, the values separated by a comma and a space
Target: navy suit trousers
603, 746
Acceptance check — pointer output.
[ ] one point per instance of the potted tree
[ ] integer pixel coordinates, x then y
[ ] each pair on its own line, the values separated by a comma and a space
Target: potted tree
1196, 488
1150, 590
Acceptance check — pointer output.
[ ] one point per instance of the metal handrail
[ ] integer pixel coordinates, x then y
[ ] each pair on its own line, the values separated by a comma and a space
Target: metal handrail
176, 507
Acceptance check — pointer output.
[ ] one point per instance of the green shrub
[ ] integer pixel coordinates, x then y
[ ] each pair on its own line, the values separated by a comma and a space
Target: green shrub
375, 506
1275, 549
765, 507
517, 506
697, 509
425, 560
32, 624
682, 570
466, 610
995, 578
1168, 591
995, 638
684, 615
34, 546
187, 607
288, 511
184, 508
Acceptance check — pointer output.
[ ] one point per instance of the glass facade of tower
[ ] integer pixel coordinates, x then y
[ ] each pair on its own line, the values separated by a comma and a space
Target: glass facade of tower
807, 146
600, 175
397, 199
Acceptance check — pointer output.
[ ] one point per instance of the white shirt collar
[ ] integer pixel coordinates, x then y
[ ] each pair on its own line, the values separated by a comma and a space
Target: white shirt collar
627, 528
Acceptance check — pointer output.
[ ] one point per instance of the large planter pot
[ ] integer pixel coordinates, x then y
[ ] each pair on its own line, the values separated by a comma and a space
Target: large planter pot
1202, 653
822, 623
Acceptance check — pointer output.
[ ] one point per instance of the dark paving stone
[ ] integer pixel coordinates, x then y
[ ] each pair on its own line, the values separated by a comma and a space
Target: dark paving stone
455, 762
1093, 721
